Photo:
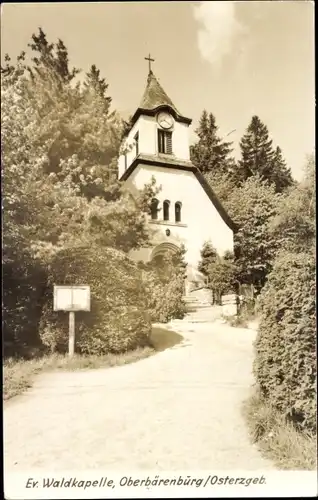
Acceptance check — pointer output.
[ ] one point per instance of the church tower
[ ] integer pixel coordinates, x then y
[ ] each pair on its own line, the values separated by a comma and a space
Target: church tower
158, 130
186, 210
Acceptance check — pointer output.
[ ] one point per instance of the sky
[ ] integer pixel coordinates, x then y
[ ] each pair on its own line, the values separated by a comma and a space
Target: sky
234, 59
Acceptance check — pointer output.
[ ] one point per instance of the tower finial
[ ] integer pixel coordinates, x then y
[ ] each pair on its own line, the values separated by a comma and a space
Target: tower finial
150, 60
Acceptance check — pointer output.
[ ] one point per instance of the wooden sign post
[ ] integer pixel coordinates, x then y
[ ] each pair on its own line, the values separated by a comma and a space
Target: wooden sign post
71, 339
72, 299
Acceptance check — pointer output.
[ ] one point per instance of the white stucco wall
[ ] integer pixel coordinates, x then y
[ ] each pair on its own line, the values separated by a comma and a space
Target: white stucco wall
180, 141
200, 219
147, 128
128, 144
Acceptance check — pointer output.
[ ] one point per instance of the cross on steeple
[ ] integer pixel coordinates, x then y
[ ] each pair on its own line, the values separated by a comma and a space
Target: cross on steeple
149, 61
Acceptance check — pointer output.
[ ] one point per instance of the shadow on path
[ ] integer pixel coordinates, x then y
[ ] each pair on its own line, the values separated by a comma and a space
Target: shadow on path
162, 338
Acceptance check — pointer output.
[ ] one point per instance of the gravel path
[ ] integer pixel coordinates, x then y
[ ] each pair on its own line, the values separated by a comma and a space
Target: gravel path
177, 410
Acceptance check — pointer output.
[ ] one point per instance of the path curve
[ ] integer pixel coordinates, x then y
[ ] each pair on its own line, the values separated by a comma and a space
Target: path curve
177, 410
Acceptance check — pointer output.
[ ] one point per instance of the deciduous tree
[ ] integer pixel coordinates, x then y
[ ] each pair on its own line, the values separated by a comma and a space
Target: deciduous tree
252, 207
208, 256
60, 187
294, 226
222, 276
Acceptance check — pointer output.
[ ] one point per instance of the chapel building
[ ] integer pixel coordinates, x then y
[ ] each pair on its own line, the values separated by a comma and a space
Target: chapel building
186, 210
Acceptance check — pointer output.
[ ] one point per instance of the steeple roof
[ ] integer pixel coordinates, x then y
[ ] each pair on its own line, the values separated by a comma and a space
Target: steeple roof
155, 97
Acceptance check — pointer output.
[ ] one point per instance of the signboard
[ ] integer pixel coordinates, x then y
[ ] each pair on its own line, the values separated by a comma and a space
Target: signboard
72, 298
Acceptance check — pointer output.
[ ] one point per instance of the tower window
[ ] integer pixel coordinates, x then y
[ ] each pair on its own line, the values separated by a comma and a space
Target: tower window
136, 138
164, 142
125, 156
154, 209
177, 209
166, 205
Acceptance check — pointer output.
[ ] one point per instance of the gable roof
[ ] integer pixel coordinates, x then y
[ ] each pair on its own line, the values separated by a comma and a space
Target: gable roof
168, 162
154, 98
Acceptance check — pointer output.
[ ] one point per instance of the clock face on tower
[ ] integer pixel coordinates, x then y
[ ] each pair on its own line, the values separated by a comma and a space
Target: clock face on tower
165, 120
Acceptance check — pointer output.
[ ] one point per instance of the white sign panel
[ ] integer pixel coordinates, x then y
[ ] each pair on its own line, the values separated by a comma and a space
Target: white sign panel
72, 298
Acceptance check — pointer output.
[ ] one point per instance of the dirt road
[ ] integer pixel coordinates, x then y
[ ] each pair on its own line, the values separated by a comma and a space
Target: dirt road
177, 410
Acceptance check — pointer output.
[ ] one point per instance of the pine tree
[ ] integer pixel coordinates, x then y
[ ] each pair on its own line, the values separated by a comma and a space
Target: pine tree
62, 63
210, 153
52, 57
256, 151
281, 174
11, 70
97, 85
258, 157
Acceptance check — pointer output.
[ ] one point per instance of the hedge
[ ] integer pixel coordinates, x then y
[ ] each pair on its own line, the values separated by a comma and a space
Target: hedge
118, 320
23, 282
285, 363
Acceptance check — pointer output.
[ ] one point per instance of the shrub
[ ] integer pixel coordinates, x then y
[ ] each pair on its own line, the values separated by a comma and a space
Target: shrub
165, 300
164, 281
285, 363
118, 320
23, 282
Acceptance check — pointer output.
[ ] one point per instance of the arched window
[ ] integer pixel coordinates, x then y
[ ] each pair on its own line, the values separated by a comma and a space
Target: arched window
154, 209
166, 205
177, 209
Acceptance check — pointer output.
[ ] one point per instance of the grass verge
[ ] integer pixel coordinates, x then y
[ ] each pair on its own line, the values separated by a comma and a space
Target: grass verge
277, 439
18, 375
